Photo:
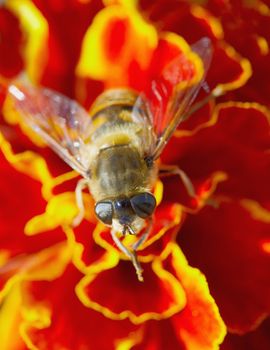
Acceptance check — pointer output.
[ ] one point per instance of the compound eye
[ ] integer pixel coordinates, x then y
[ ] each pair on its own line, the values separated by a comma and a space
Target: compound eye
104, 212
143, 204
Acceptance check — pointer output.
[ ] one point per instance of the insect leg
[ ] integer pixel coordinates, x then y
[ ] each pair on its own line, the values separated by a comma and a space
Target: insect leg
81, 185
131, 254
144, 236
167, 170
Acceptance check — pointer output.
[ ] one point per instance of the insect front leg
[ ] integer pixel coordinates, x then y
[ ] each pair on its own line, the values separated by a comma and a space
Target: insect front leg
81, 185
144, 236
130, 254
168, 170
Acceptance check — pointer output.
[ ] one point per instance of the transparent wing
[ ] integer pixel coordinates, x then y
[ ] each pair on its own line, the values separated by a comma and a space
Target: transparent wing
169, 100
61, 122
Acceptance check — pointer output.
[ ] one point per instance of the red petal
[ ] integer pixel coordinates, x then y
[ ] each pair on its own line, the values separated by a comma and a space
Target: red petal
257, 339
68, 22
55, 318
199, 324
225, 244
17, 209
194, 22
159, 336
11, 62
251, 38
160, 296
235, 142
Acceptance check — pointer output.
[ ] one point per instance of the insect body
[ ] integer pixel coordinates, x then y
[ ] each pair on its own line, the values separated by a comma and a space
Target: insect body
116, 145
118, 166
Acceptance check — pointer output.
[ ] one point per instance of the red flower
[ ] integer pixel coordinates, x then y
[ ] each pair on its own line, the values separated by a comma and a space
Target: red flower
11, 62
73, 289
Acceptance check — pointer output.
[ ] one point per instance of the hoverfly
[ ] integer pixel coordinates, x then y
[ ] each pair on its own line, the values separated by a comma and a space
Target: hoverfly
116, 146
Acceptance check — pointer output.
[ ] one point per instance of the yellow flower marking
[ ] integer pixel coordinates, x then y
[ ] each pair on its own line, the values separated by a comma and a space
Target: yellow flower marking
263, 9
108, 260
215, 115
93, 62
133, 339
60, 211
36, 28
37, 266
50, 185
38, 317
258, 6
4, 256
263, 45
167, 278
128, 3
158, 191
213, 22
245, 66
28, 163
266, 247
9, 320
256, 210
193, 280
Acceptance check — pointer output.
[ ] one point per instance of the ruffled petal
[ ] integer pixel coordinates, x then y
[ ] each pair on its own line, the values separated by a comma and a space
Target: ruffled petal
54, 318
239, 283
35, 29
50, 58
257, 339
250, 38
236, 167
24, 257
228, 69
197, 326
239, 135
11, 61
159, 297
17, 209
106, 58
88, 256
38, 266
10, 319
156, 335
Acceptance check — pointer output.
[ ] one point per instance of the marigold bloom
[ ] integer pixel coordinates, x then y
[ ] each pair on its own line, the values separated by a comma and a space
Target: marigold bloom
64, 288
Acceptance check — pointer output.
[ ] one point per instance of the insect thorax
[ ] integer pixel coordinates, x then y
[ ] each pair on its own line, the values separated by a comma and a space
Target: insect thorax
119, 168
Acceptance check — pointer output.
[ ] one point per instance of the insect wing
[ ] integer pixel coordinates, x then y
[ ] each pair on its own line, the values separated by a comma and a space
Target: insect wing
142, 115
62, 123
167, 104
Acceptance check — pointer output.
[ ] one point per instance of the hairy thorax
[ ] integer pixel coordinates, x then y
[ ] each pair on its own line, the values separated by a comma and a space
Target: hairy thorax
120, 171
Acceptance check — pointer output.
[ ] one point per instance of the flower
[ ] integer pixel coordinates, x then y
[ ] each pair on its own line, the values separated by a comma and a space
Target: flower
62, 288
